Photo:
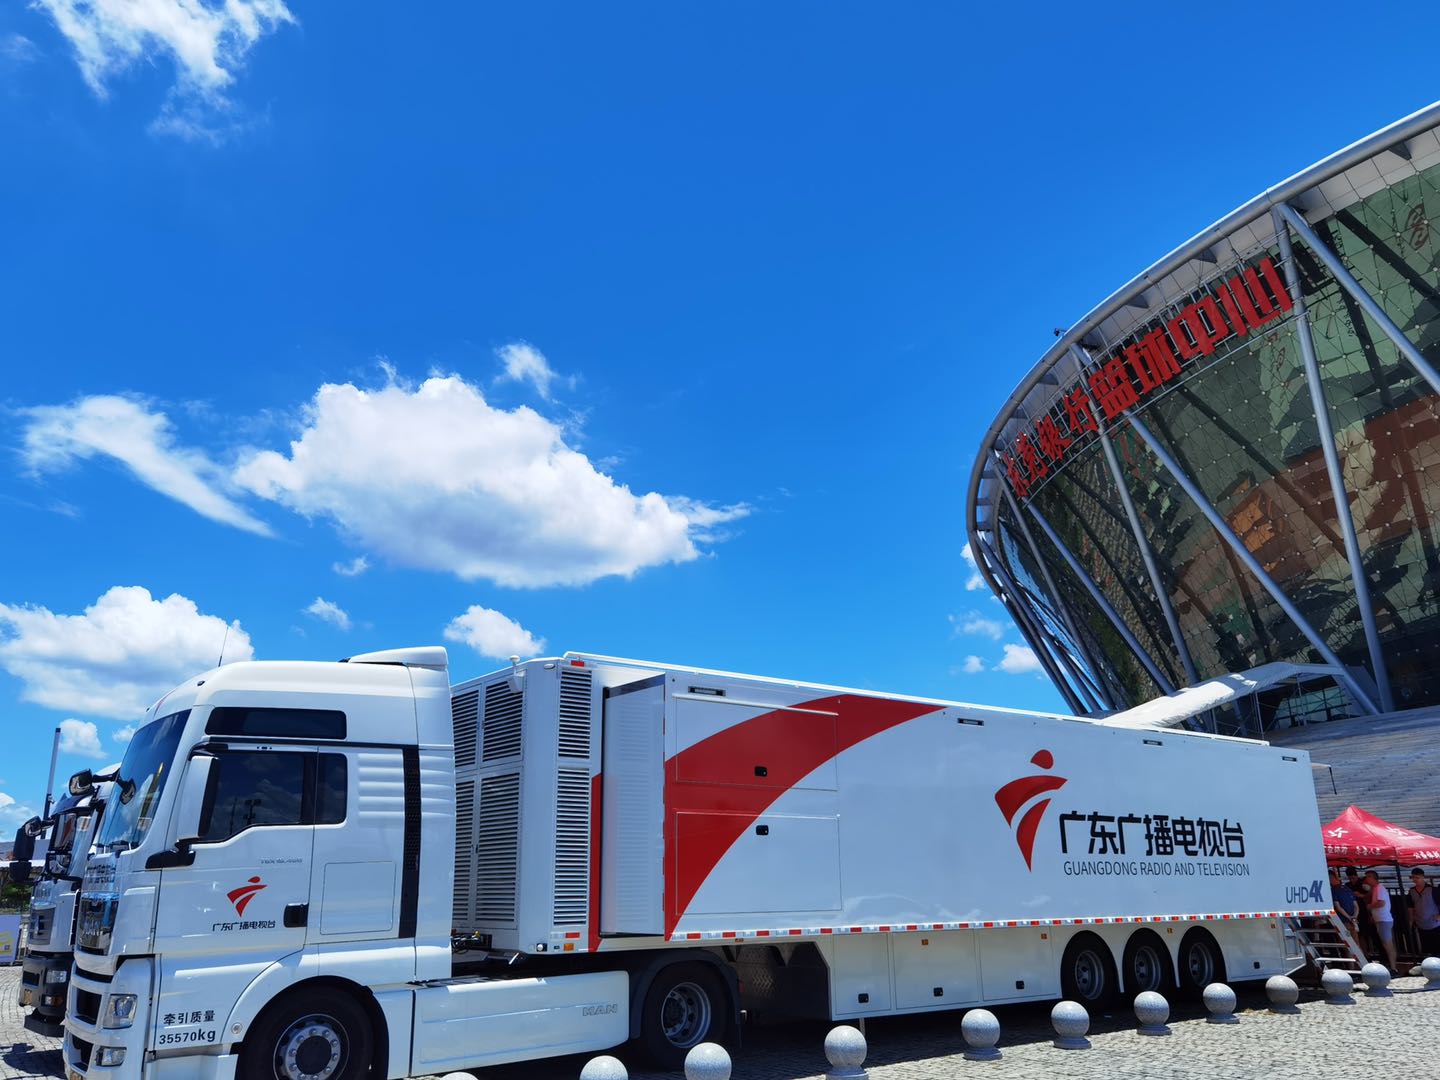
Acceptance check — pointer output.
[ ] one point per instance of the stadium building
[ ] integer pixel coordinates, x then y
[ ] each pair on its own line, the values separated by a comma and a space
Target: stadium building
1232, 464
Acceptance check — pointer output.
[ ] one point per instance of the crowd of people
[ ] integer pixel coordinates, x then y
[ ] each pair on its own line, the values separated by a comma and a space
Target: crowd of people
1368, 910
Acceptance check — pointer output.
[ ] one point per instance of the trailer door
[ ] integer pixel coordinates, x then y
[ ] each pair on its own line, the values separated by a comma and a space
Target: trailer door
632, 847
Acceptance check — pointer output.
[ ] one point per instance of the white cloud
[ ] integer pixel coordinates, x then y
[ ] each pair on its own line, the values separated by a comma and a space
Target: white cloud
80, 737
492, 634
18, 49
525, 363
116, 658
1018, 660
972, 622
354, 568
125, 734
327, 611
973, 665
56, 436
974, 582
436, 477
13, 814
207, 42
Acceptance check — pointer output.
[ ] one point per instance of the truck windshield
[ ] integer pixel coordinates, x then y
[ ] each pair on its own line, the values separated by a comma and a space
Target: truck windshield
148, 763
63, 835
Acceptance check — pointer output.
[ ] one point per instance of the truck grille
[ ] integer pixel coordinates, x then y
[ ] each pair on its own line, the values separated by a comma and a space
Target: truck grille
87, 1006
42, 921
498, 849
464, 709
503, 708
464, 850
83, 1050
572, 846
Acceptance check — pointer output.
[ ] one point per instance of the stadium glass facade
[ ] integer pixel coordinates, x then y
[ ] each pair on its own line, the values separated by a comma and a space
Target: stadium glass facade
1235, 459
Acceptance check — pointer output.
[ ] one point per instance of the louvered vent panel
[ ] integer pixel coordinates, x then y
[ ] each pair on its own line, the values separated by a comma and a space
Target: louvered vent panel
497, 849
572, 846
575, 713
464, 844
502, 722
464, 709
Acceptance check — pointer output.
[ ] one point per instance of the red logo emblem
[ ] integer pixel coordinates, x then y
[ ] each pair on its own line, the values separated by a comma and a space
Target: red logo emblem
242, 896
1017, 793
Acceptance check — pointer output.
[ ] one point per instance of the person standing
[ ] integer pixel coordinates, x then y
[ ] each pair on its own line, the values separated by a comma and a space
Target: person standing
1384, 919
1425, 913
1345, 904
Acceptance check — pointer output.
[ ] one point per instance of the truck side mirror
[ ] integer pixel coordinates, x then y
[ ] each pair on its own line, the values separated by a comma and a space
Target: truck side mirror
34, 828
82, 784
190, 812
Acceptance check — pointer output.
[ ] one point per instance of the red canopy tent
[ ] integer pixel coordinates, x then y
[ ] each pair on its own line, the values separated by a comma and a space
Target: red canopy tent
1358, 838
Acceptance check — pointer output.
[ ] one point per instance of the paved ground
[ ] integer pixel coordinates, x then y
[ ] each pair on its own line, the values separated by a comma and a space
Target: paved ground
1394, 1035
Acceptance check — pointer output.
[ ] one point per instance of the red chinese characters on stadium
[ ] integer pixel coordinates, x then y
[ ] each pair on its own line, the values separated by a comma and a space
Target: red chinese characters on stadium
1253, 297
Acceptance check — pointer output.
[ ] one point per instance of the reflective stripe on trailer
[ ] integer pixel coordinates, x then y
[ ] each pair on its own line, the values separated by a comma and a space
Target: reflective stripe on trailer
988, 924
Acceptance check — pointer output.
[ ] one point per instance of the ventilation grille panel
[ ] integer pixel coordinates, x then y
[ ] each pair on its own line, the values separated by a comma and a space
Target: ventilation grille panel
575, 713
497, 849
572, 847
464, 849
463, 715
503, 708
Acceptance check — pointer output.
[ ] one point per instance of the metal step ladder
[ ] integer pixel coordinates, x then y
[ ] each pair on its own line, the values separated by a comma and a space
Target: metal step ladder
1328, 943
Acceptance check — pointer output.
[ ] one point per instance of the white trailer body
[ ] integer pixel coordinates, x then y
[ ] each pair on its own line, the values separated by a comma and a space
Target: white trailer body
620, 840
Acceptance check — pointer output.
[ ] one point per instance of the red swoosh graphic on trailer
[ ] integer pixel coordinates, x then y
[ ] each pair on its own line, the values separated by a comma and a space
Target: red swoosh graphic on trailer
714, 781
1018, 792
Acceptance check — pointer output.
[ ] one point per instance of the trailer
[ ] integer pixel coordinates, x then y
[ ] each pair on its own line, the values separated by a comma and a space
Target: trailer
50, 933
355, 869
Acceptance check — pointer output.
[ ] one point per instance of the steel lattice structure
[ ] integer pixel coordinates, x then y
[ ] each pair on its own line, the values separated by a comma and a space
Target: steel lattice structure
1235, 458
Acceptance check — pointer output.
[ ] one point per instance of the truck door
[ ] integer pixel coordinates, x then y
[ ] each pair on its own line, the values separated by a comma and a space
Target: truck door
241, 901
632, 844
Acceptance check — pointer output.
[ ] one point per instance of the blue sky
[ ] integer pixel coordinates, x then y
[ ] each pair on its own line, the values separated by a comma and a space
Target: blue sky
658, 330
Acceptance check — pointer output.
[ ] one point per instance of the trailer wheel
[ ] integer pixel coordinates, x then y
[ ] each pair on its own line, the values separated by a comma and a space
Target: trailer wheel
1147, 964
685, 1005
1201, 962
322, 1034
1087, 972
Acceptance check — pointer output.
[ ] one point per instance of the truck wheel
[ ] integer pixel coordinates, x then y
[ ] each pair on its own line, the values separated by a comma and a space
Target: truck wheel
320, 1035
685, 1005
1201, 962
1147, 964
1087, 972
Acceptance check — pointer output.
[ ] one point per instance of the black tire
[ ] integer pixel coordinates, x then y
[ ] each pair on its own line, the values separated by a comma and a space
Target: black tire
1201, 962
1087, 972
685, 1005
1146, 965
306, 1034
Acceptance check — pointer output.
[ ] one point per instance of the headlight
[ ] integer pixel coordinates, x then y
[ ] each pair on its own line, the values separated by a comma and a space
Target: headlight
57, 975
107, 1057
120, 1013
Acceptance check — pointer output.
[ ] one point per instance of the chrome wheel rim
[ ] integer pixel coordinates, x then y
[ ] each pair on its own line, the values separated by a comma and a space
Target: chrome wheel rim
312, 1048
1089, 975
685, 1015
1146, 968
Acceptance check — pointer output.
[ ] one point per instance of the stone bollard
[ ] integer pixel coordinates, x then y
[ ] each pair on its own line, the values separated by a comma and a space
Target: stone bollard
457, 1076
1071, 1022
1152, 1010
1376, 978
845, 1051
1430, 968
1220, 1003
599, 1068
981, 1032
707, 1061
1283, 994
1338, 985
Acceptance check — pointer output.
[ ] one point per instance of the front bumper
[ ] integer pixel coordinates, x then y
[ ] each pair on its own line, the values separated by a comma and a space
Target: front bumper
84, 1036
47, 999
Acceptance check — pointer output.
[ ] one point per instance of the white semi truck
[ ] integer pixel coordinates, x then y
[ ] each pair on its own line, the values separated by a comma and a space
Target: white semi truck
353, 869
50, 934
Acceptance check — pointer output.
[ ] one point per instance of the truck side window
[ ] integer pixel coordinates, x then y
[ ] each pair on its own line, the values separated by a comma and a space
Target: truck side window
276, 723
255, 788
330, 790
